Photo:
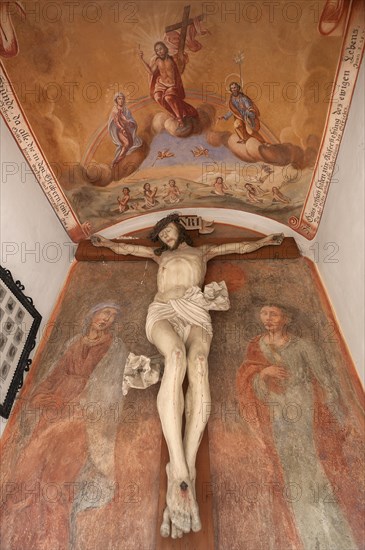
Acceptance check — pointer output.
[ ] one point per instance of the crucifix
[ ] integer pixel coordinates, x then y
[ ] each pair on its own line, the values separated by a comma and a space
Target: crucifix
179, 326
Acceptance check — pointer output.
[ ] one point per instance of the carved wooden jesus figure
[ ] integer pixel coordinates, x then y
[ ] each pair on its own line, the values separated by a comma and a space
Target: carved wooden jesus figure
179, 325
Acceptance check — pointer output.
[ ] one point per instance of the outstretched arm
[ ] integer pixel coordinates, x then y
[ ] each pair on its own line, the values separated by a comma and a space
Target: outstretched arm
124, 249
211, 251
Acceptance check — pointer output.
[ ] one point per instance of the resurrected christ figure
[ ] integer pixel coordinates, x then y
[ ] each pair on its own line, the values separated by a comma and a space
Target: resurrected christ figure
179, 325
166, 86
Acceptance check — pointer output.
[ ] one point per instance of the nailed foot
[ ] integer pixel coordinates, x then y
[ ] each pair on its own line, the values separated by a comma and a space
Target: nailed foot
181, 514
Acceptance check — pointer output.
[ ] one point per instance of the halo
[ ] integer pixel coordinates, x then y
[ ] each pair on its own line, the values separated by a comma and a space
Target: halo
232, 77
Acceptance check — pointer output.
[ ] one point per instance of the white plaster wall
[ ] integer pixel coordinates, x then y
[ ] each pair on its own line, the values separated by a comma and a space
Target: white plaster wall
34, 245
343, 224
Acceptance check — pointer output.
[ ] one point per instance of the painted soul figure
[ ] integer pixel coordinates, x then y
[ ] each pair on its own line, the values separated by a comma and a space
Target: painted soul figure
179, 325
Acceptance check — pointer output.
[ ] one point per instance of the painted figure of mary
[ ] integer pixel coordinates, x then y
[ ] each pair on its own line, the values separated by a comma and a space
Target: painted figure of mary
123, 129
72, 438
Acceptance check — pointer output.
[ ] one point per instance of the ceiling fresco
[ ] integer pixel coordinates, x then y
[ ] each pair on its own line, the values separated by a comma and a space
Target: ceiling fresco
124, 108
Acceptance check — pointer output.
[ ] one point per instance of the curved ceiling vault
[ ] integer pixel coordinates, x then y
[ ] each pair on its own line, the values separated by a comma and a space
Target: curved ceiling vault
232, 112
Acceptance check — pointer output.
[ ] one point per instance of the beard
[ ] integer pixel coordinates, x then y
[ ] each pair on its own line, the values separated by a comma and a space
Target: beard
174, 246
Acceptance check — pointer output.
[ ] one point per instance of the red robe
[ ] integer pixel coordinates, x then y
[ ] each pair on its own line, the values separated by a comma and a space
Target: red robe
177, 91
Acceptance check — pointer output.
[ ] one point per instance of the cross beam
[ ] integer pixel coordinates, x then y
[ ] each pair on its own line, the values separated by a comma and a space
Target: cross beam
183, 25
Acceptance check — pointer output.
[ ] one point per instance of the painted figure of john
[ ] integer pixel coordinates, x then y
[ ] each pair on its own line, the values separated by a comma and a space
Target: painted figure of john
179, 325
290, 372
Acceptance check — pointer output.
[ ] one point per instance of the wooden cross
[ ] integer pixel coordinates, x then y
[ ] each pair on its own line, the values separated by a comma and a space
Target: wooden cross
183, 25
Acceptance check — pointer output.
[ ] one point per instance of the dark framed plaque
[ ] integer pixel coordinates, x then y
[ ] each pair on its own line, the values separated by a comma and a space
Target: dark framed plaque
19, 325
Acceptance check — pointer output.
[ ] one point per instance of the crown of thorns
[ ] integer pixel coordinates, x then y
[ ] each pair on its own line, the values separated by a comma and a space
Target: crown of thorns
161, 224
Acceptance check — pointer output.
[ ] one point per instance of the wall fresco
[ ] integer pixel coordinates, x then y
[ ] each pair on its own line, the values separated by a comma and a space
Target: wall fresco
80, 461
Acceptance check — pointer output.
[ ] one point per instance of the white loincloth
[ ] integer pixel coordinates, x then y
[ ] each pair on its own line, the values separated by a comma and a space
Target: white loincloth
190, 310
